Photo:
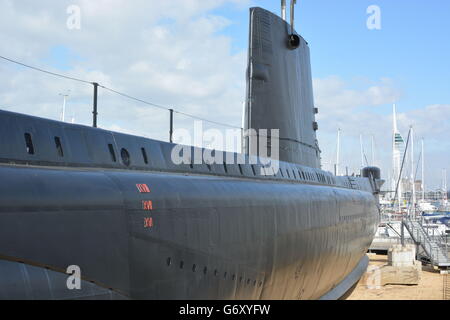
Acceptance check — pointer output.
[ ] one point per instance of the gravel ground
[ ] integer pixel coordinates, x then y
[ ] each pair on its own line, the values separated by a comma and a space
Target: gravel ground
431, 286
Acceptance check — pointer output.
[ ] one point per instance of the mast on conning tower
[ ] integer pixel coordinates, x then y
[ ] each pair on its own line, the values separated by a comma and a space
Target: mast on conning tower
283, 10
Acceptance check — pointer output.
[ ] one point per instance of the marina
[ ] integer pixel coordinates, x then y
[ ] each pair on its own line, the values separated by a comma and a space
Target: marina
423, 225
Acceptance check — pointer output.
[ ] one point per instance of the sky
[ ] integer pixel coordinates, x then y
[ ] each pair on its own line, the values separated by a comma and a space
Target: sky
190, 55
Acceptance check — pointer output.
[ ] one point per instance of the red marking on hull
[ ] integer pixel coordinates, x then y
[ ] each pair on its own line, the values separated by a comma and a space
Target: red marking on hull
143, 188
147, 205
148, 222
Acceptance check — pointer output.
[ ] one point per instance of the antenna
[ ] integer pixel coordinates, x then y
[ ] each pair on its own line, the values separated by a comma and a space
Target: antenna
294, 40
293, 3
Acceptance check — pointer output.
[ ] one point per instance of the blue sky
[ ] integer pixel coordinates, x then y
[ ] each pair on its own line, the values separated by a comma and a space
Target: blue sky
412, 47
411, 50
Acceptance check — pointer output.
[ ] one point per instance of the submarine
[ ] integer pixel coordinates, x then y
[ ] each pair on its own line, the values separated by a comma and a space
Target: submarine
136, 225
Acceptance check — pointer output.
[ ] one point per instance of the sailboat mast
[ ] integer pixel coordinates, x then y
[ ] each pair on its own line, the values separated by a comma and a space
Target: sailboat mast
413, 186
372, 149
423, 172
338, 150
394, 172
398, 146
444, 185
362, 150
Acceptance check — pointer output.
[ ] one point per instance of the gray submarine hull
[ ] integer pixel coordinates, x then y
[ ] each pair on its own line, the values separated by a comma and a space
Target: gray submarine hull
216, 233
140, 227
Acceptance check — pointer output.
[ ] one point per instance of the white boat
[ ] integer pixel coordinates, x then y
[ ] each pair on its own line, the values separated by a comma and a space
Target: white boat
425, 206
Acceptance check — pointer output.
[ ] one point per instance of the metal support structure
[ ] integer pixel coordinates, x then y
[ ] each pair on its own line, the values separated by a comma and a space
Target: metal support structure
171, 126
434, 250
403, 233
94, 112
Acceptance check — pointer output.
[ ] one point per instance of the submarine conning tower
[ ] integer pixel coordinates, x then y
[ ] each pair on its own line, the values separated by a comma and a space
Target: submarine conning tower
279, 90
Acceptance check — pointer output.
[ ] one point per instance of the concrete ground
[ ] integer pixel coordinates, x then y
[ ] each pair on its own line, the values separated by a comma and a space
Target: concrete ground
431, 286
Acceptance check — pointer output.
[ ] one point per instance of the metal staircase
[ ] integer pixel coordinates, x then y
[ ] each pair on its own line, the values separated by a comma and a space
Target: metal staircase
437, 255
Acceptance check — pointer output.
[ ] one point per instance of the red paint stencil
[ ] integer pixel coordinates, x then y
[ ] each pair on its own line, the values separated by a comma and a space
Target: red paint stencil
148, 222
147, 205
143, 188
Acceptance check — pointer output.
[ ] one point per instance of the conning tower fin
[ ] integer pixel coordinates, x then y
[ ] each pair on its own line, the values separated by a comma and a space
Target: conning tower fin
279, 89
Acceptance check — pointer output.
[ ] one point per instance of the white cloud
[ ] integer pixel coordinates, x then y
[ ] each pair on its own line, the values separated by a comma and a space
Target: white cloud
335, 95
168, 52
363, 111
172, 53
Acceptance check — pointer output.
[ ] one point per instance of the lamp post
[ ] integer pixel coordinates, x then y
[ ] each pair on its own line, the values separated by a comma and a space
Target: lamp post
63, 112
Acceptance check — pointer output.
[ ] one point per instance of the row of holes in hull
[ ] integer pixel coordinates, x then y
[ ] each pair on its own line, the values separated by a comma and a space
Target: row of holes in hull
216, 273
126, 160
